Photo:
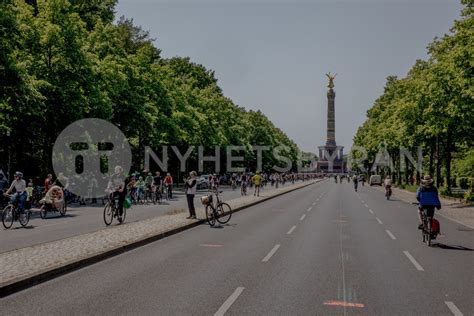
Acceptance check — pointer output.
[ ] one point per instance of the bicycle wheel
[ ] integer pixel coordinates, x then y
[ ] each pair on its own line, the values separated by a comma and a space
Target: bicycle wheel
63, 208
43, 211
8, 216
211, 219
24, 219
224, 213
108, 214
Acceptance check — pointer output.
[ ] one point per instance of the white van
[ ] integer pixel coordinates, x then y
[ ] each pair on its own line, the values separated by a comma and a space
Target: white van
375, 179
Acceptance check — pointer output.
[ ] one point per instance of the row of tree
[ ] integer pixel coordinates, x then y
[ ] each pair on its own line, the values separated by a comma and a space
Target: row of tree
432, 107
64, 60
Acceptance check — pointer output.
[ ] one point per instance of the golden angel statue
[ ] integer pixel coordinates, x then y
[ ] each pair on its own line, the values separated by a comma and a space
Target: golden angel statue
331, 78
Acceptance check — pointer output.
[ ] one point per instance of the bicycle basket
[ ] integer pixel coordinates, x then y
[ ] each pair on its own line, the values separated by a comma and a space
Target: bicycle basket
206, 199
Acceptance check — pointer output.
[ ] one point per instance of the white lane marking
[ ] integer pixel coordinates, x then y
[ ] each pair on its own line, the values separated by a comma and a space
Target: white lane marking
415, 263
271, 253
302, 217
390, 234
370, 210
314, 203
362, 201
228, 303
291, 230
309, 209
378, 220
366, 205
453, 308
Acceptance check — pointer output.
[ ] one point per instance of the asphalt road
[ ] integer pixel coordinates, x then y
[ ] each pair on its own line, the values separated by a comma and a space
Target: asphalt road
321, 250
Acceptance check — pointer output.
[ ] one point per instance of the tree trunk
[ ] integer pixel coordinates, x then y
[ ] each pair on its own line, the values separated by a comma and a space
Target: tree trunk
432, 154
448, 160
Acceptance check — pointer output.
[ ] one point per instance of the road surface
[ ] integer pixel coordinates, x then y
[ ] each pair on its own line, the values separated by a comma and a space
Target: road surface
321, 250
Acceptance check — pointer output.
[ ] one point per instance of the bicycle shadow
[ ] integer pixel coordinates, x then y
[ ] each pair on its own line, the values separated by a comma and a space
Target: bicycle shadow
221, 226
451, 247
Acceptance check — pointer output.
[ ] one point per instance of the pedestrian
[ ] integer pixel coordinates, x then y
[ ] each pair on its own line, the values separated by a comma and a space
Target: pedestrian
190, 190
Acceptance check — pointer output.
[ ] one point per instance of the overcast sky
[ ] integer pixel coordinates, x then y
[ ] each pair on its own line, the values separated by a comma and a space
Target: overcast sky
273, 55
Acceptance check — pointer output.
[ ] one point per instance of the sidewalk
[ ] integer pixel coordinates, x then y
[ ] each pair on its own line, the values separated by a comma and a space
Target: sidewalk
451, 209
27, 266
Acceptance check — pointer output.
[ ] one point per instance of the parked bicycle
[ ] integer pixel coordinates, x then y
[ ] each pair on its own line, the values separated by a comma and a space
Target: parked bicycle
218, 211
11, 213
111, 211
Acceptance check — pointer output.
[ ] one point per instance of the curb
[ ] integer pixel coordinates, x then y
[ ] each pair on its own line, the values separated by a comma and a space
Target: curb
41, 277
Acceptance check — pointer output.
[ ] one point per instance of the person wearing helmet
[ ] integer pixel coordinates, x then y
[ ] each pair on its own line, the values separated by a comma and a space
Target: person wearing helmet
427, 196
20, 195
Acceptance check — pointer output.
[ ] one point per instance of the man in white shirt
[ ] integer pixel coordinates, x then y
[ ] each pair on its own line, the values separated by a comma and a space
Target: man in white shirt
20, 194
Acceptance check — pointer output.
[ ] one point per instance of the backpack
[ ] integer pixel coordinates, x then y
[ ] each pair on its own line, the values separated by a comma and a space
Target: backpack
435, 228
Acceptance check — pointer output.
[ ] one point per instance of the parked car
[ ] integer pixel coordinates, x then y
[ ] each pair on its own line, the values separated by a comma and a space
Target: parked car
203, 182
375, 180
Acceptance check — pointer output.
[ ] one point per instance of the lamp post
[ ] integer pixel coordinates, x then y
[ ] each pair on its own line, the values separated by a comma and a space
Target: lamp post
9, 156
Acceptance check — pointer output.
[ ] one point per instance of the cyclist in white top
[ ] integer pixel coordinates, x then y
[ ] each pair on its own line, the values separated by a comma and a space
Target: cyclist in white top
20, 194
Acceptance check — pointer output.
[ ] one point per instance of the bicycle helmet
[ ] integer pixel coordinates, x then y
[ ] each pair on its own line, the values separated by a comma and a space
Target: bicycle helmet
18, 174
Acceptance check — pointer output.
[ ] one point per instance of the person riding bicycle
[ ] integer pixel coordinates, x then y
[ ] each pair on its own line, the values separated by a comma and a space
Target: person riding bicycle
20, 195
118, 188
148, 183
427, 196
158, 182
387, 184
168, 181
355, 180
257, 181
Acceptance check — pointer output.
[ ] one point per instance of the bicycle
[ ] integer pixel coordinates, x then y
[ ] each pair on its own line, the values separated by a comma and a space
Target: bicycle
218, 211
111, 211
11, 213
426, 230
45, 208
243, 189
388, 192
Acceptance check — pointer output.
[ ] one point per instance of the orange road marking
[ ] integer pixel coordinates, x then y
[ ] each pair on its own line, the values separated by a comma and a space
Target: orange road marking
345, 304
211, 245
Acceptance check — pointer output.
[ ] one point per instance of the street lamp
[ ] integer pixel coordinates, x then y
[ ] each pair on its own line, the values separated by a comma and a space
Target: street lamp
9, 156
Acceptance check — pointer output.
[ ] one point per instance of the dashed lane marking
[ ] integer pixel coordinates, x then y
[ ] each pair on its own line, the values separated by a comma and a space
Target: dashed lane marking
390, 234
415, 263
228, 303
271, 253
453, 308
291, 230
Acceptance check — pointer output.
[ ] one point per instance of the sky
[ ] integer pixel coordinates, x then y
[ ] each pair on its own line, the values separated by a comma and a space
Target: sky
272, 55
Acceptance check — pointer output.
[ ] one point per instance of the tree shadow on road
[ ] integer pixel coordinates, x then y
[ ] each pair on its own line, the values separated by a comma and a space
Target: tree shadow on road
451, 247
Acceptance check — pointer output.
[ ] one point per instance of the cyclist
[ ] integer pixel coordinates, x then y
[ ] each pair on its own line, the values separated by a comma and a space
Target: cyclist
20, 194
149, 183
169, 185
158, 183
257, 181
388, 185
427, 196
243, 183
117, 187
355, 180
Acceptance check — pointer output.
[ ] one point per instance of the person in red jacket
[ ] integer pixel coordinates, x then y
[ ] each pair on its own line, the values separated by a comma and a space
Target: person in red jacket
169, 185
48, 182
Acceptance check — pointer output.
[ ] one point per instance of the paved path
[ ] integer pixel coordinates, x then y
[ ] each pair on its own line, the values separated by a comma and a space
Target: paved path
321, 250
